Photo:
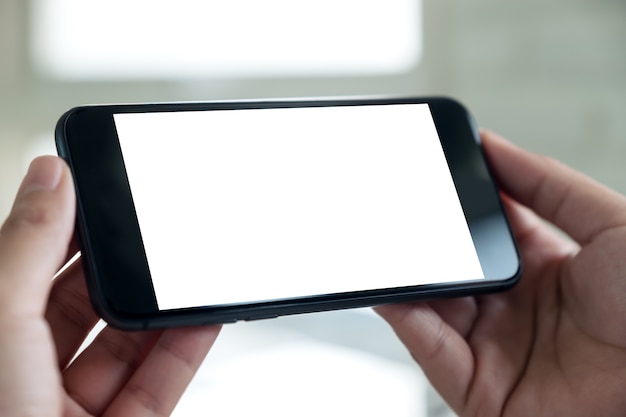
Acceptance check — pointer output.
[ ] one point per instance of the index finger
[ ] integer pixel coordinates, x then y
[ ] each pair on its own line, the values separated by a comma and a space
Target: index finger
578, 205
165, 373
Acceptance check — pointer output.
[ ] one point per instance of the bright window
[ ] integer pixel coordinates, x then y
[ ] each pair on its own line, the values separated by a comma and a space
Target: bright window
158, 39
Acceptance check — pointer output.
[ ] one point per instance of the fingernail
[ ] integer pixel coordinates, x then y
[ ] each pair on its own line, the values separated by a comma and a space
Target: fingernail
44, 173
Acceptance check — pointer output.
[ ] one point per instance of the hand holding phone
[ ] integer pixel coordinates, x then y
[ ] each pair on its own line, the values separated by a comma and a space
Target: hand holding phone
217, 212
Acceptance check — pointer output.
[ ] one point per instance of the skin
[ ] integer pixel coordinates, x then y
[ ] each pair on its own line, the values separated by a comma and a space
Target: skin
43, 322
555, 345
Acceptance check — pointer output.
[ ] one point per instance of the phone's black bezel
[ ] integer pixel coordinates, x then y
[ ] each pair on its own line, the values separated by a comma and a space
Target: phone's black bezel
112, 250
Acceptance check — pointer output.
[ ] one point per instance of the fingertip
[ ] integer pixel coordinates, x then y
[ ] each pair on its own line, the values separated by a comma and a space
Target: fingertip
410, 321
495, 143
45, 198
44, 173
389, 311
197, 336
490, 134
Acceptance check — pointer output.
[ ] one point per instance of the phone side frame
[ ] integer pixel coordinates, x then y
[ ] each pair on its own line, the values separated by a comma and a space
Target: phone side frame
148, 316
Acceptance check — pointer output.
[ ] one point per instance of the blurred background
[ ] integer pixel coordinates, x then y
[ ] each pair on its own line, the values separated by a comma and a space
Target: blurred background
551, 76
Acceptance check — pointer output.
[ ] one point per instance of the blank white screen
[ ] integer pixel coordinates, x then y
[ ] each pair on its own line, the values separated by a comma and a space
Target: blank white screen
248, 205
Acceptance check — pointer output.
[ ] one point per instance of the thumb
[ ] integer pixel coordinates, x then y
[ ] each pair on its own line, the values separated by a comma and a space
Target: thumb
35, 237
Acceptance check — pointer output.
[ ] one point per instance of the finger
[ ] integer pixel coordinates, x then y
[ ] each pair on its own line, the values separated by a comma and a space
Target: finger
162, 378
70, 313
443, 354
459, 313
556, 192
536, 239
97, 375
35, 237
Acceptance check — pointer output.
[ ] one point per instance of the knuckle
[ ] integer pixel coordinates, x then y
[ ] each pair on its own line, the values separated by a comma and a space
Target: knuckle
124, 349
146, 399
439, 342
175, 350
30, 214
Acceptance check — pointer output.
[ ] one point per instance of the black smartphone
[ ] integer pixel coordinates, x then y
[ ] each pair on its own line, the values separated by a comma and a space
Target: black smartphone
198, 213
